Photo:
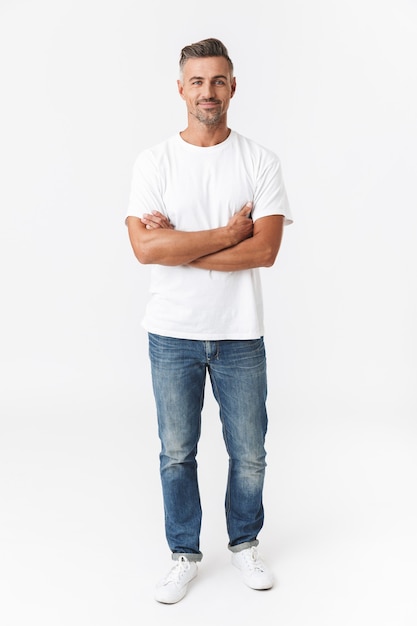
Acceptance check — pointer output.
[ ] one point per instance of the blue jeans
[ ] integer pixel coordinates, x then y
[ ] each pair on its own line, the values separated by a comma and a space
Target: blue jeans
237, 371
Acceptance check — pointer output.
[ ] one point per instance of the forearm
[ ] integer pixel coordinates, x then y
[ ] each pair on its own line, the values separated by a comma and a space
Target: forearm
173, 247
260, 250
155, 241
242, 256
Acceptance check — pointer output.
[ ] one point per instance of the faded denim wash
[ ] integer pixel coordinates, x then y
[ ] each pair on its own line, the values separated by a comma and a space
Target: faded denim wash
237, 371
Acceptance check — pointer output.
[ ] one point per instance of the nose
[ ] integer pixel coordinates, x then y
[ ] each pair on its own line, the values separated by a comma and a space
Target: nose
208, 91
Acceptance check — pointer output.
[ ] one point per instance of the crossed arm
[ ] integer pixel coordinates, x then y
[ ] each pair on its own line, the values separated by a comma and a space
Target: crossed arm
239, 245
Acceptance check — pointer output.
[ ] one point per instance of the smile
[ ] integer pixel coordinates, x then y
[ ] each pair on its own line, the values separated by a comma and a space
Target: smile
209, 103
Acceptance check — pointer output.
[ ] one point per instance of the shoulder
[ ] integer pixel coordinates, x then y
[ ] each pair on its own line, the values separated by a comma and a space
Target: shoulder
152, 156
253, 148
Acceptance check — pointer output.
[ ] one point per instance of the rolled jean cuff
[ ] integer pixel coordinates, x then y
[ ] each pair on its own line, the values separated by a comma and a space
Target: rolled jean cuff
192, 557
243, 546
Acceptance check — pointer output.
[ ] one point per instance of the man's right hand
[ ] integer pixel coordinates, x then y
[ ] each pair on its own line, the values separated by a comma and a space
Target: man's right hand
240, 224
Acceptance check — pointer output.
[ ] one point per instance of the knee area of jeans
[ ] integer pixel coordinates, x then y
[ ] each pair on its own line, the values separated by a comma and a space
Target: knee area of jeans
177, 460
248, 465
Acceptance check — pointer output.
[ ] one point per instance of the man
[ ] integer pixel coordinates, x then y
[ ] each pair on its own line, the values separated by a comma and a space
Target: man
207, 209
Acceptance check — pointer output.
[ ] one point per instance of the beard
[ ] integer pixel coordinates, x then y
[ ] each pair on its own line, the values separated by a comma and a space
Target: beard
209, 118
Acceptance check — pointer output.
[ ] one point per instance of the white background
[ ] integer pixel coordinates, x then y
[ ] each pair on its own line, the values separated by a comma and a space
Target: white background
330, 86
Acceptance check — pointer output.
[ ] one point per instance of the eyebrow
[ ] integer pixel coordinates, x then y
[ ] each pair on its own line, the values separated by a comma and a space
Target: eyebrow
212, 78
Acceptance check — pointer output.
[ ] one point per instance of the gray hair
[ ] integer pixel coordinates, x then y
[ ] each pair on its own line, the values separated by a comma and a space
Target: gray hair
205, 48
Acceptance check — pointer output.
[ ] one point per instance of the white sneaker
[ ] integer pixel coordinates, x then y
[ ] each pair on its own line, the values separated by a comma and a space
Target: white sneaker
255, 573
173, 587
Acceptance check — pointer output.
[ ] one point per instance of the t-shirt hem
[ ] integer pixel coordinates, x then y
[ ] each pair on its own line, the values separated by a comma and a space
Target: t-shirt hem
208, 336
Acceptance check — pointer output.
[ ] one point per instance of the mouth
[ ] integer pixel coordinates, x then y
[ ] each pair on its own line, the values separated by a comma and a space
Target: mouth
208, 104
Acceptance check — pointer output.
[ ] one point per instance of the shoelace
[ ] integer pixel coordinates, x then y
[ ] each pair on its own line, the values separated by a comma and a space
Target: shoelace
182, 565
254, 561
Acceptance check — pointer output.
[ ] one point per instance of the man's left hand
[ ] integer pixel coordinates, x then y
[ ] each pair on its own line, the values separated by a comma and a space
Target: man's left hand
156, 220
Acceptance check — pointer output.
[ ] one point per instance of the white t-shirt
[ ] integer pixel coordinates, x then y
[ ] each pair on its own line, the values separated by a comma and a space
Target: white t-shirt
198, 189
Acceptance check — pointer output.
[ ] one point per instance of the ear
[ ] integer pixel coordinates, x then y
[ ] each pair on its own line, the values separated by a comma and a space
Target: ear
233, 88
180, 89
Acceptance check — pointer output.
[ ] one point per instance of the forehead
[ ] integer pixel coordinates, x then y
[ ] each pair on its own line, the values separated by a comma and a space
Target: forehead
206, 67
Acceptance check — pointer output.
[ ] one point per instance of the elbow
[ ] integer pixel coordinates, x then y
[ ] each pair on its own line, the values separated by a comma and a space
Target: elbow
143, 258
142, 242
143, 255
269, 256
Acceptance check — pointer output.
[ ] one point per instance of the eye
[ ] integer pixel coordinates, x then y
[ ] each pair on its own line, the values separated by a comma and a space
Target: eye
219, 82
196, 82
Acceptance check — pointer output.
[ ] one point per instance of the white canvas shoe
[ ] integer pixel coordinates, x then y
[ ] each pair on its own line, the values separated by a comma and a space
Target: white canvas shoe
254, 571
173, 587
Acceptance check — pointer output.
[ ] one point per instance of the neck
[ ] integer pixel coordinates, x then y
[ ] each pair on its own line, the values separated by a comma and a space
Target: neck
205, 136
